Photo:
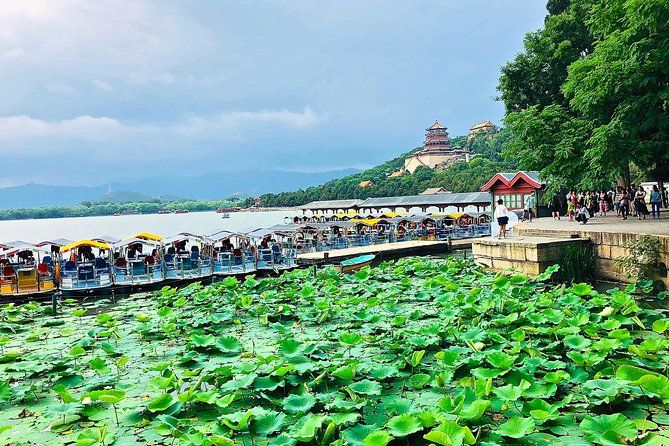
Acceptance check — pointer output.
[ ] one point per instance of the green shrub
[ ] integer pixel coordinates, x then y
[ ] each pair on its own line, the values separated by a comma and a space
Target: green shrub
577, 264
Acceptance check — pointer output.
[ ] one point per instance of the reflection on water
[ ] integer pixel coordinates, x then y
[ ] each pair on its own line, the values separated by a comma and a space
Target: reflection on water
125, 225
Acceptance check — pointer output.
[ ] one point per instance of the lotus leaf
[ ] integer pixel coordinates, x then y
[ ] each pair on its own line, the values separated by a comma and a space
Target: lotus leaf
608, 429
516, 427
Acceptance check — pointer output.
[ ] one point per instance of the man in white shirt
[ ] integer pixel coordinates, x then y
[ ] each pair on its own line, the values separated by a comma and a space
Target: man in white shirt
502, 216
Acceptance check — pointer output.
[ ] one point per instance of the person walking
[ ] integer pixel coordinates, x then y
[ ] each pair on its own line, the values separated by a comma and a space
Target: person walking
529, 207
555, 206
602, 203
655, 201
502, 216
640, 203
624, 203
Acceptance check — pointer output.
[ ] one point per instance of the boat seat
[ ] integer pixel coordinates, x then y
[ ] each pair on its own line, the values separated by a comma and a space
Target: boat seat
47, 260
195, 255
149, 261
171, 251
121, 263
70, 268
194, 248
8, 271
169, 260
101, 264
85, 272
43, 269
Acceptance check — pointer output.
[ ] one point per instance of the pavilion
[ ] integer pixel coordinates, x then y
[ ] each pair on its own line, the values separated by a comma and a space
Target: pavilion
460, 201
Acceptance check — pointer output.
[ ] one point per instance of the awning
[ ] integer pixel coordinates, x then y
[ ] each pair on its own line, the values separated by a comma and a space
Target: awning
80, 243
148, 236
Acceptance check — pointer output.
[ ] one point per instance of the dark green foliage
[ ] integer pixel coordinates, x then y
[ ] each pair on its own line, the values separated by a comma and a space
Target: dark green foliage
587, 99
88, 209
577, 263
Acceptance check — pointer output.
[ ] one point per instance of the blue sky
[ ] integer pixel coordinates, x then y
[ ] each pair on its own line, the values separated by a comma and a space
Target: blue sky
119, 90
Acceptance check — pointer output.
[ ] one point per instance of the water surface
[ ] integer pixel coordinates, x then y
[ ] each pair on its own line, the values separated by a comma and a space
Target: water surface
122, 226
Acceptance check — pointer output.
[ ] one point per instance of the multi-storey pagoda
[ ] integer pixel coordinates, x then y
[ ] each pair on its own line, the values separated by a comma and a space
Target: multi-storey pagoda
436, 151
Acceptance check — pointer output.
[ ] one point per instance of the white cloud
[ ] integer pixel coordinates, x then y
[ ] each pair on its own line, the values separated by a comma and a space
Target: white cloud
102, 85
16, 53
238, 120
65, 134
81, 127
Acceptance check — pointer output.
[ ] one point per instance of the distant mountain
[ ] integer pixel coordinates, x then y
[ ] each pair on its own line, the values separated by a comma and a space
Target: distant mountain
208, 186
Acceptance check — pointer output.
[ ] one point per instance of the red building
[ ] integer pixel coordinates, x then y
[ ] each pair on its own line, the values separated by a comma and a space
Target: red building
516, 188
437, 138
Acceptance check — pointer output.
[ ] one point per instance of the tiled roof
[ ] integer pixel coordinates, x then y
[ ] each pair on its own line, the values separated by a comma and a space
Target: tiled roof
462, 199
331, 204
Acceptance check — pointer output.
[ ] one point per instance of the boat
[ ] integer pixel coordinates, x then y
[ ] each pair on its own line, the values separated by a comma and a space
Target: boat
83, 271
272, 253
226, 215
231, 253
25, 271
185, 258
137, 261
354, 264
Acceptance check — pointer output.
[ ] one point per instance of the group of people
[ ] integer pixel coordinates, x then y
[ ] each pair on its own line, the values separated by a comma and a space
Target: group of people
625, 202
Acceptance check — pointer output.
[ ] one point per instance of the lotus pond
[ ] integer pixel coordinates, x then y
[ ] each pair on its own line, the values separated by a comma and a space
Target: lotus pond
421, 351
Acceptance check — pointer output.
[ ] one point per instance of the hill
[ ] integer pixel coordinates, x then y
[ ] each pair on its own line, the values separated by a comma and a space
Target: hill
459, 177
120, 197
206, 186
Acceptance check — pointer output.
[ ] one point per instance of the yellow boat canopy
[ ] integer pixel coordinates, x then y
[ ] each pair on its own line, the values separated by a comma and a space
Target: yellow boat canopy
80, 243
366, 221
148, 236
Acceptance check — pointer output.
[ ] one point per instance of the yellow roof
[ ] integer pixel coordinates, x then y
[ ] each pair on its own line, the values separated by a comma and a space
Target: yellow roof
81, 243
366, 221
148, 236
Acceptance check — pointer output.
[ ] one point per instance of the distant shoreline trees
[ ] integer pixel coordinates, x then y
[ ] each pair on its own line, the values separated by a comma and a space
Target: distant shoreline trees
88, 209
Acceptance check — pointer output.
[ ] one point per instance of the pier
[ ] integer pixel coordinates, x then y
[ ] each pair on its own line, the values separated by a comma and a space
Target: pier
385, 251
537, 245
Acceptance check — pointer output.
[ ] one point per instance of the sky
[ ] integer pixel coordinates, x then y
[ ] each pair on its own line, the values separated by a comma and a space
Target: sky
121, 90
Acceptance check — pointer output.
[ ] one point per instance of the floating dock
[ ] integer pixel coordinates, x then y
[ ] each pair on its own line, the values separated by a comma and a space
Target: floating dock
385, 251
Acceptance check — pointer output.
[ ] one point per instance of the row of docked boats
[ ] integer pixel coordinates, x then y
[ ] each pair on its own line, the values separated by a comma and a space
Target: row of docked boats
141, 261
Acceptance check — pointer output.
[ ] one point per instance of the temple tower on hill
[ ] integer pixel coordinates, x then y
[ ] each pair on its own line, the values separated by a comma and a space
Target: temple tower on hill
436, 152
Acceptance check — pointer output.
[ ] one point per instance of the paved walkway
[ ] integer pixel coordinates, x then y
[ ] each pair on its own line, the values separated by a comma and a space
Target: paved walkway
603, 224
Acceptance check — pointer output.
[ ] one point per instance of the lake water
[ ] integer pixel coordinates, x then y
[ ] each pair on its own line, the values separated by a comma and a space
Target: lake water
126, 225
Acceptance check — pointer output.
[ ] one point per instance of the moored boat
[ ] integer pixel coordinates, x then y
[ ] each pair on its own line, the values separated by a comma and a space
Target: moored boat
24, 272
83, 271
231, 253
137, 261
184, 257
354, 264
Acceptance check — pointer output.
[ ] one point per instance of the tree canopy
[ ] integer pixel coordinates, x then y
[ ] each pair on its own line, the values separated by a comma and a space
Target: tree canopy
589, 96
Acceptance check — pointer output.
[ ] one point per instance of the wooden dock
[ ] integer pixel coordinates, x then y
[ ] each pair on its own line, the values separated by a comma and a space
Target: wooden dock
385, 251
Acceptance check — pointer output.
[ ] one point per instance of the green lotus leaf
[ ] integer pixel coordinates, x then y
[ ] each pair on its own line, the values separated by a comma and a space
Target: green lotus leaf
307, 426
299, 403
450, 434
420, 380
269, 423
366, 387
229, 344
160, 403
350, 339
289, 347
474, 410
270, 383
343, 419
77, 351
516, 427
403, 425
577, 342
511, 392
580, 289
356, 434
5, 391
608, 429
661, 325
110, 396
501, 360
345, 372
377, 438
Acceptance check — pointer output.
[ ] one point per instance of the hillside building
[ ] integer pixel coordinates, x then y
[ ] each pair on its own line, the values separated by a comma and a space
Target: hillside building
436, 151
366, 183
485, 127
